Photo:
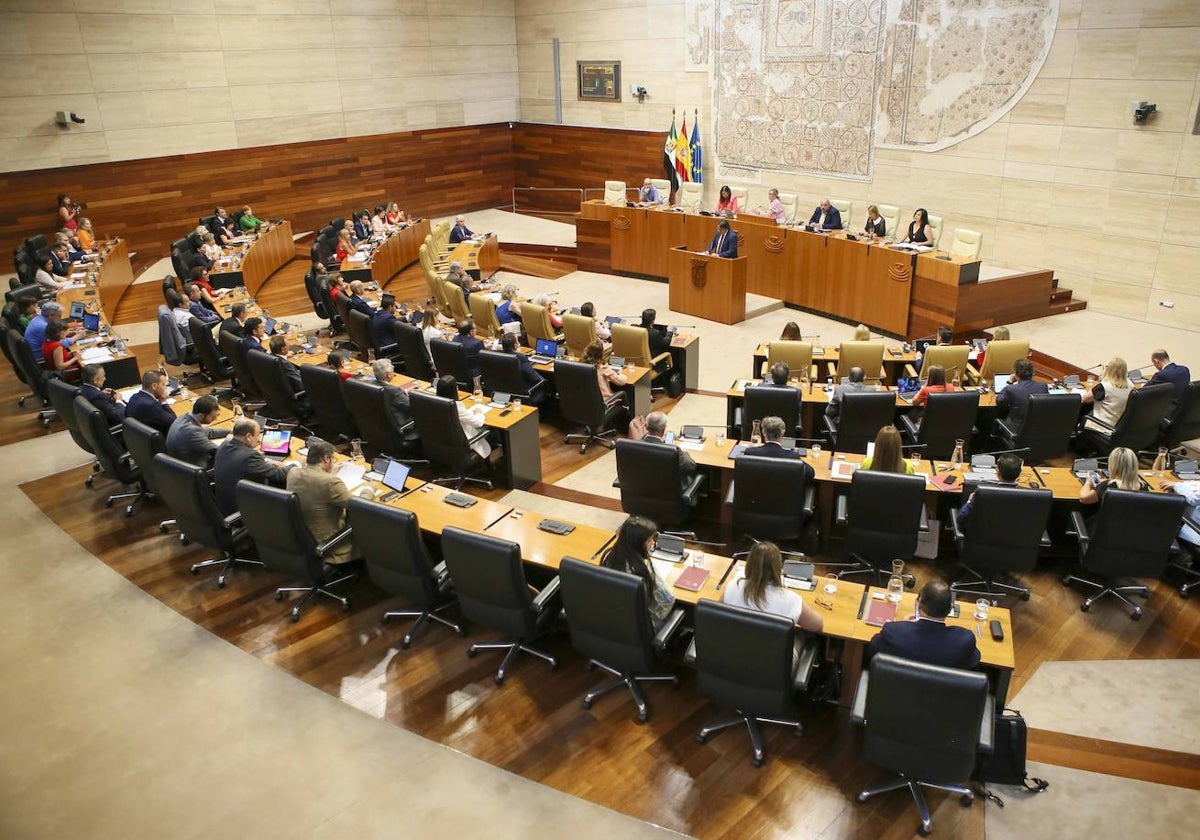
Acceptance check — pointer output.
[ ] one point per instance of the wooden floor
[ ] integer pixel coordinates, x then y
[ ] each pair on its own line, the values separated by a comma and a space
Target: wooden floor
534, 725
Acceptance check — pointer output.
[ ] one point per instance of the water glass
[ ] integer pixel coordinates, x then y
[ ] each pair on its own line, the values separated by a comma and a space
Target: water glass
898, 569
981, 609
916, 460
697, 558
895, 589
356, 450
831, 584
721, 436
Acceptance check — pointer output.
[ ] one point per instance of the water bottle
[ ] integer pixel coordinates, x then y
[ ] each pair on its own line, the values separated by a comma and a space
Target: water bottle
478, 395
756, 435
1161, 462
356, 449
956, 460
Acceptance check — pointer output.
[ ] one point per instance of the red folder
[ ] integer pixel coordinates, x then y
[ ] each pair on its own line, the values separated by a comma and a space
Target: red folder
879, 612
692, 578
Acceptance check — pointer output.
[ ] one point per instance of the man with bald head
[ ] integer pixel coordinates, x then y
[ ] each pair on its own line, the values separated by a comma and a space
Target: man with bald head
1169, 372
653, 429
648, 194
826, 216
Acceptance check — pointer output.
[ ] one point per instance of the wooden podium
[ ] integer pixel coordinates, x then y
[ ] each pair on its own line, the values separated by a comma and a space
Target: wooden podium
709, 287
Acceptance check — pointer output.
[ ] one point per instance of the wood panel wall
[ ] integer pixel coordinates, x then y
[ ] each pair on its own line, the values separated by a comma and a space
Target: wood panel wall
577, 156
153, 202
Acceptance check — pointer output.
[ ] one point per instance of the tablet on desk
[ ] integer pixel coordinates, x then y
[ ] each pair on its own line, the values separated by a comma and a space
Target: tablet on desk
395, 476
277, 442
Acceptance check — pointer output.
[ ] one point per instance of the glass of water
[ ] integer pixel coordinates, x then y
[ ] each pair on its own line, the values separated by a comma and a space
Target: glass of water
895, 589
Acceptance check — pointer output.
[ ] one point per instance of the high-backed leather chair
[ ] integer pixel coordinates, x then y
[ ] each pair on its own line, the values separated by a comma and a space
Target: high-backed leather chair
213, 366
115, 462
286, 545
1140, 423
891, 218
689, 196
323, 387
967, 243
949, 417
502, 372
32, 373
925, 723
492, 591
443, 440
1001, 536
862, 415
761, 401
1049, 426
358, 327
797, 354
398, 562
633, 344
748, 660
935, 229
483, 313
450, 358
536, 321
999, 359
610, 625
581, 403
846, 209
883, 513
456, 300
62, 397
743, 196
953, 359
1184, 422
772, 498
578, 331
1131, 536
652, 484
867, 355
411, 345
283, 404
235, 353
370, 406
664, 189
144, 444
187, 490
614, 193
791, 206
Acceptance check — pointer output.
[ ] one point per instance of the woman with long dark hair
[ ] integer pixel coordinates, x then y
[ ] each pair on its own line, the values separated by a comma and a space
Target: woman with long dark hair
631, 553
918, 229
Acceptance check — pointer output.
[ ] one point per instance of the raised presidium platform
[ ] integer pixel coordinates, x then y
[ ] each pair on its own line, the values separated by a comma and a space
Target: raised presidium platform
855, 280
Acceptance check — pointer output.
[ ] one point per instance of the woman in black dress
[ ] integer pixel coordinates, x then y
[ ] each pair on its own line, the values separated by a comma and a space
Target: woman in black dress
919, 230
876, 225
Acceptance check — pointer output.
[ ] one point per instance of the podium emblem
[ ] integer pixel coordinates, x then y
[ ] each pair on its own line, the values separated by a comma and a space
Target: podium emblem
622, 222
773, 245
699, 273
900, 272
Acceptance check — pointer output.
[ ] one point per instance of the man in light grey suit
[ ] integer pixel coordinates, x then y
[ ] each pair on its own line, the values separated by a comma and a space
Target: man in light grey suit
189, 440
856, 385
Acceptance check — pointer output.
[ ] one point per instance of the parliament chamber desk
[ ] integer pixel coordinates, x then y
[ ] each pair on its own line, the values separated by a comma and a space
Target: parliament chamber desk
636, 388
479, 257
858, 281
387, 258
252, 263
894, 360
98, 284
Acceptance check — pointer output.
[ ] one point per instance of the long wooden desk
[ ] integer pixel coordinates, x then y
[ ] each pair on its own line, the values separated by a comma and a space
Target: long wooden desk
894, 359
479, 257
252, 263
387, 258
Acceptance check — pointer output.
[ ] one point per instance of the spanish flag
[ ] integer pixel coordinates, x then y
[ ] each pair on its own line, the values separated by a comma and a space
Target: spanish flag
683, 154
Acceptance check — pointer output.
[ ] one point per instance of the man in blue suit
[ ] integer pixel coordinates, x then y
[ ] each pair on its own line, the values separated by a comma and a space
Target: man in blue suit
1013, 401
724, 241
460, 232
772, 446
1169, 372
927, 638
826, 216
533, 380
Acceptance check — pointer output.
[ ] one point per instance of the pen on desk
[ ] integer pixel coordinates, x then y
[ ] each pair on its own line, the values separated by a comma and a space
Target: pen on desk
721, 582
862, 605
979, 630
1038, 476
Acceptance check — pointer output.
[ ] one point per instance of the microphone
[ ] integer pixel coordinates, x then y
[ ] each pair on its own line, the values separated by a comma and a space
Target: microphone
1096, 366
914, 446
1002, 452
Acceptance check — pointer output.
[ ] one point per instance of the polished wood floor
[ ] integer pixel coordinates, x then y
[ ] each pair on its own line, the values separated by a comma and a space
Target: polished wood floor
534, 725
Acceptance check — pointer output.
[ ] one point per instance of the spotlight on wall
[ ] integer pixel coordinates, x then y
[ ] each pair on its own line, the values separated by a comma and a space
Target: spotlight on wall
65, 118
1143, 110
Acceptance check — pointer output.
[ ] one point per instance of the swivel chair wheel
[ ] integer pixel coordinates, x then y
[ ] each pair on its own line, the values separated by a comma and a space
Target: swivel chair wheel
587, 704
923, 831
108, 503
701, 739
591, 665
583, 449
184, 540
278, 596
46, 423
1184, 592
195, 571
406, 643
1137, 615
756, 762
221, 582
91, 479
163, 528
862, 797
1025, 595
295, 616
1085, 606
462, 633
345, 605
643, 717
129, 511
472, 653
498, 680
966, 800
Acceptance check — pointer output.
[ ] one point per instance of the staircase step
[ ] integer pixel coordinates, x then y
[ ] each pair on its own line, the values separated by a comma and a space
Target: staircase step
1066, 306
1059, 295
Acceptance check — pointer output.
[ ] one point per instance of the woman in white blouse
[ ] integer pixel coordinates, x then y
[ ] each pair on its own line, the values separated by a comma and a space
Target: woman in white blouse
762, 589
429, 327
1108, 397
471, 417
210, 248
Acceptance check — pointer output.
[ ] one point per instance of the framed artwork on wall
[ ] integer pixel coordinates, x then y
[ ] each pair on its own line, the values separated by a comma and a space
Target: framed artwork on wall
599, 81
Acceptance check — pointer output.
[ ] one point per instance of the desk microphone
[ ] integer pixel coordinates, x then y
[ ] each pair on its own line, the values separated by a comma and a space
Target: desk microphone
915, 446
1096, 366
1003, 452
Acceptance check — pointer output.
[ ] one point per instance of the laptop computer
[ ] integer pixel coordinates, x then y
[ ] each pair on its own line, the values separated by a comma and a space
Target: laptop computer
395, 475
1001, 380
270, 324
91, 321
667, 548
78, 309
907, 387
277, 443
545, 350
616, 362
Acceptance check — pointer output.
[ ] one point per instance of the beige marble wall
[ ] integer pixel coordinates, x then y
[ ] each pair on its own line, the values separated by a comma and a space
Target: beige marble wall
160, 77
1064, 180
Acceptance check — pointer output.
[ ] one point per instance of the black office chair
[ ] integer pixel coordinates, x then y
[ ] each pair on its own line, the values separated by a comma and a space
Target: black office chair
749, 660
341, 305
313, 287
323, 387
581, 403
1049, 426
862, 415
115, 462
450, 359
32, 373
772, 499
651, 482
1185, 560
502, 372
443, 440
411, 345
358, 327
1184, 424
11, 313
144, 443
336, 325
34, 245
283, 405
1140, 423
883, 513
490, 581
949, 417
181, 251
213, 366
369, 405
243, 380
285, 544
62, 397
1002, 535
5, 331
398, 563
610, 625
761, 401
925, 723
1131, 536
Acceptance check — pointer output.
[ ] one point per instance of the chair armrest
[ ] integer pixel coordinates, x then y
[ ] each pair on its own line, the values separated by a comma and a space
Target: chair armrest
810, 498
547, 594
233, 520
1078, 529
959, 536
1092, 419
441, 573
923, 525
831, 428
830, 369
729, 496
972, 373
909, 370
987, 726
908, 427
613, 400
841, 510
301, 393
693, 489
1192, 517
482, 434
805, 660
665, 633
1005, 432
325, 548
662, 357
858, 709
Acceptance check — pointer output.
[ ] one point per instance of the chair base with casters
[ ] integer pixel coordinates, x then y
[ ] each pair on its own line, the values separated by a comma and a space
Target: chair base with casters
752, 725
228, 562
980, 584
131, 508
459, 480
313, 591
1113, 587
514, 650
421, 617
587, 436
630, 681
858, 566
966, 796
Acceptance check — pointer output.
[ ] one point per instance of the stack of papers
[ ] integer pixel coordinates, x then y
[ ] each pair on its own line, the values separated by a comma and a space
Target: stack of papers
694, 445
351, 475
97, 356
357, 258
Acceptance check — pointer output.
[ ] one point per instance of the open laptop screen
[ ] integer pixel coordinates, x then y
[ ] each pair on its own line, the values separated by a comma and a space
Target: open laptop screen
395, 476
546, 347
276, 442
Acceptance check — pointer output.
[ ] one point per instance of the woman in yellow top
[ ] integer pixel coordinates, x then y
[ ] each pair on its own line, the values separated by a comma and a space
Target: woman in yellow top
888, 456
85, 235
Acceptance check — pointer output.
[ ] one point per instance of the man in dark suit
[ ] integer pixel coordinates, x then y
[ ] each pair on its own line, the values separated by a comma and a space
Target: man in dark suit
1014, 399
855, 385
357, 301
460, 232
1169, 372
658, 340
654, 429
239, 458
928, 639
218, 226
60, 260
236, 322
772, 445
190, 439
826, 216
724, 242
279, 348
196, 307
398, 400
383, 325
471, 343
533, 380
254, 331
105, 399
149, 405
362, 226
